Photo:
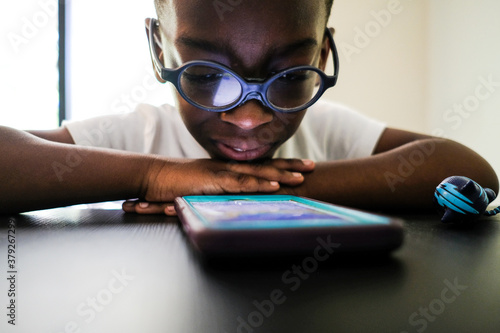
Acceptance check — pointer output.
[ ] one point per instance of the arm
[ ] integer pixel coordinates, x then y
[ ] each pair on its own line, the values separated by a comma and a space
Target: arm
402, 174
36, 173
60, 135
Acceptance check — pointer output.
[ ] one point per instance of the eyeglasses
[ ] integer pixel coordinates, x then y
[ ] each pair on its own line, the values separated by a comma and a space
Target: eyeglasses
214, 87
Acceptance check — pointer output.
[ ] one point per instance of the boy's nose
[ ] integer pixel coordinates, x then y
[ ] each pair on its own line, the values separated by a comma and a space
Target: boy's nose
248, 116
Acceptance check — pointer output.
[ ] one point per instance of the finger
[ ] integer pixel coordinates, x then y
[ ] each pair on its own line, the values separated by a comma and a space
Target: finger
268, 172
169, 210
148, 208
129, 206
293, 164
233, 182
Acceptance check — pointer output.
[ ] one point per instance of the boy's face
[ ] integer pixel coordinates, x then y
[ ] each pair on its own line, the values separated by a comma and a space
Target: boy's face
256, 39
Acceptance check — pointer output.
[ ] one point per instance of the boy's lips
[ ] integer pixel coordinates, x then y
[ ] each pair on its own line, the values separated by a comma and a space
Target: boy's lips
242, 151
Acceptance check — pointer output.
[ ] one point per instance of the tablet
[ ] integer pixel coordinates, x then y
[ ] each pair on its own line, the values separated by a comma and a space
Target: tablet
229, 225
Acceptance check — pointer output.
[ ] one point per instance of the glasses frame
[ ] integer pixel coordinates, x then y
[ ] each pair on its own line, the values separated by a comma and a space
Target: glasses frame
251, 88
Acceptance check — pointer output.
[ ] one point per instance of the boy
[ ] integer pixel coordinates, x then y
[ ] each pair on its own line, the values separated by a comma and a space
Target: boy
234, 140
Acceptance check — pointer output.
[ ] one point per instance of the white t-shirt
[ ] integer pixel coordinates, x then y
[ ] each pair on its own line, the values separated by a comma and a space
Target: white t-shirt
328, 132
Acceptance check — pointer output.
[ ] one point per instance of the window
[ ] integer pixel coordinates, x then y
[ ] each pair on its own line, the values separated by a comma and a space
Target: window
108, 68
108, 62
28, 63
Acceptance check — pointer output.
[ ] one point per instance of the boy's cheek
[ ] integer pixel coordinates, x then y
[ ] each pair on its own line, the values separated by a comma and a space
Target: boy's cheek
192, 116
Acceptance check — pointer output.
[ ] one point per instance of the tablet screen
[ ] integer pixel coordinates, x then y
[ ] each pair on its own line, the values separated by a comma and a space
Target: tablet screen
269, 214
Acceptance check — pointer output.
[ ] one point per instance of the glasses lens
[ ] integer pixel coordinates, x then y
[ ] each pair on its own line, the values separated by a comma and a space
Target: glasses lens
209, 86
294, 89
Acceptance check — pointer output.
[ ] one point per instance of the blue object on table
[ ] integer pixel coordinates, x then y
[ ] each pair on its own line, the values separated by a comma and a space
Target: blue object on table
463, 200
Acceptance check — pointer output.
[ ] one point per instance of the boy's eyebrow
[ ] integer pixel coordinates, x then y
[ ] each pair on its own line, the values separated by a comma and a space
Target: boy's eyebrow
201, 44
222, 48
303, 44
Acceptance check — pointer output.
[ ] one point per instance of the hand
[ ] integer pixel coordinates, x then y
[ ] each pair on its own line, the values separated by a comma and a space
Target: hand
170, 179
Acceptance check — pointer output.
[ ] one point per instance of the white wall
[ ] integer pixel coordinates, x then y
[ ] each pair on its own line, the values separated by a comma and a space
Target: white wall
383, 67
430, 59
464, 51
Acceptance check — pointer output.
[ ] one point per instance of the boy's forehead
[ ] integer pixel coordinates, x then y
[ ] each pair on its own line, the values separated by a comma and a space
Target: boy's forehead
248, 16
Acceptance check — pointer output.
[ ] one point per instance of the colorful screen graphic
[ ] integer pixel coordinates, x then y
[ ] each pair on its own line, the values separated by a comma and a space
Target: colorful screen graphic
268, 214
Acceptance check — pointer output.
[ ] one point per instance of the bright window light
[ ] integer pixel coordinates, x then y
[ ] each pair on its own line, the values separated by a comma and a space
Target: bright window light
28, 63
108, 64
110, 69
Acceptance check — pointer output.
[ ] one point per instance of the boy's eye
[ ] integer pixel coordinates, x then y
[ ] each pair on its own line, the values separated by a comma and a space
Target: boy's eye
205, 78
205, 75
296, 76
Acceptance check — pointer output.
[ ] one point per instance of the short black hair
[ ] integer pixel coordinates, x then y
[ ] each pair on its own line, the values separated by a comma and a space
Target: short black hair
329, 4
160, 9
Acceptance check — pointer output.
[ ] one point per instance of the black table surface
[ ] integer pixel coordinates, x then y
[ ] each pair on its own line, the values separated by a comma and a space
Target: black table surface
96, 270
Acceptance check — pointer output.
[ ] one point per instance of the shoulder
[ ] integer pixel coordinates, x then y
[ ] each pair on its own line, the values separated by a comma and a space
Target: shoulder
147, 129
326, 109
332, 118
333, 131
142, 115
156, 118
146, 112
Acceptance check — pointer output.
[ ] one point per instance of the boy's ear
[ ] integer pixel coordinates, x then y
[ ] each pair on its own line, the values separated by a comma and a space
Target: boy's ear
325, 50
158, 48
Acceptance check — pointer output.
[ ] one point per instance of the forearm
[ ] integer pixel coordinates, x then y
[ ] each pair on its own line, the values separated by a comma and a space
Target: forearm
36, 173
402, 178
